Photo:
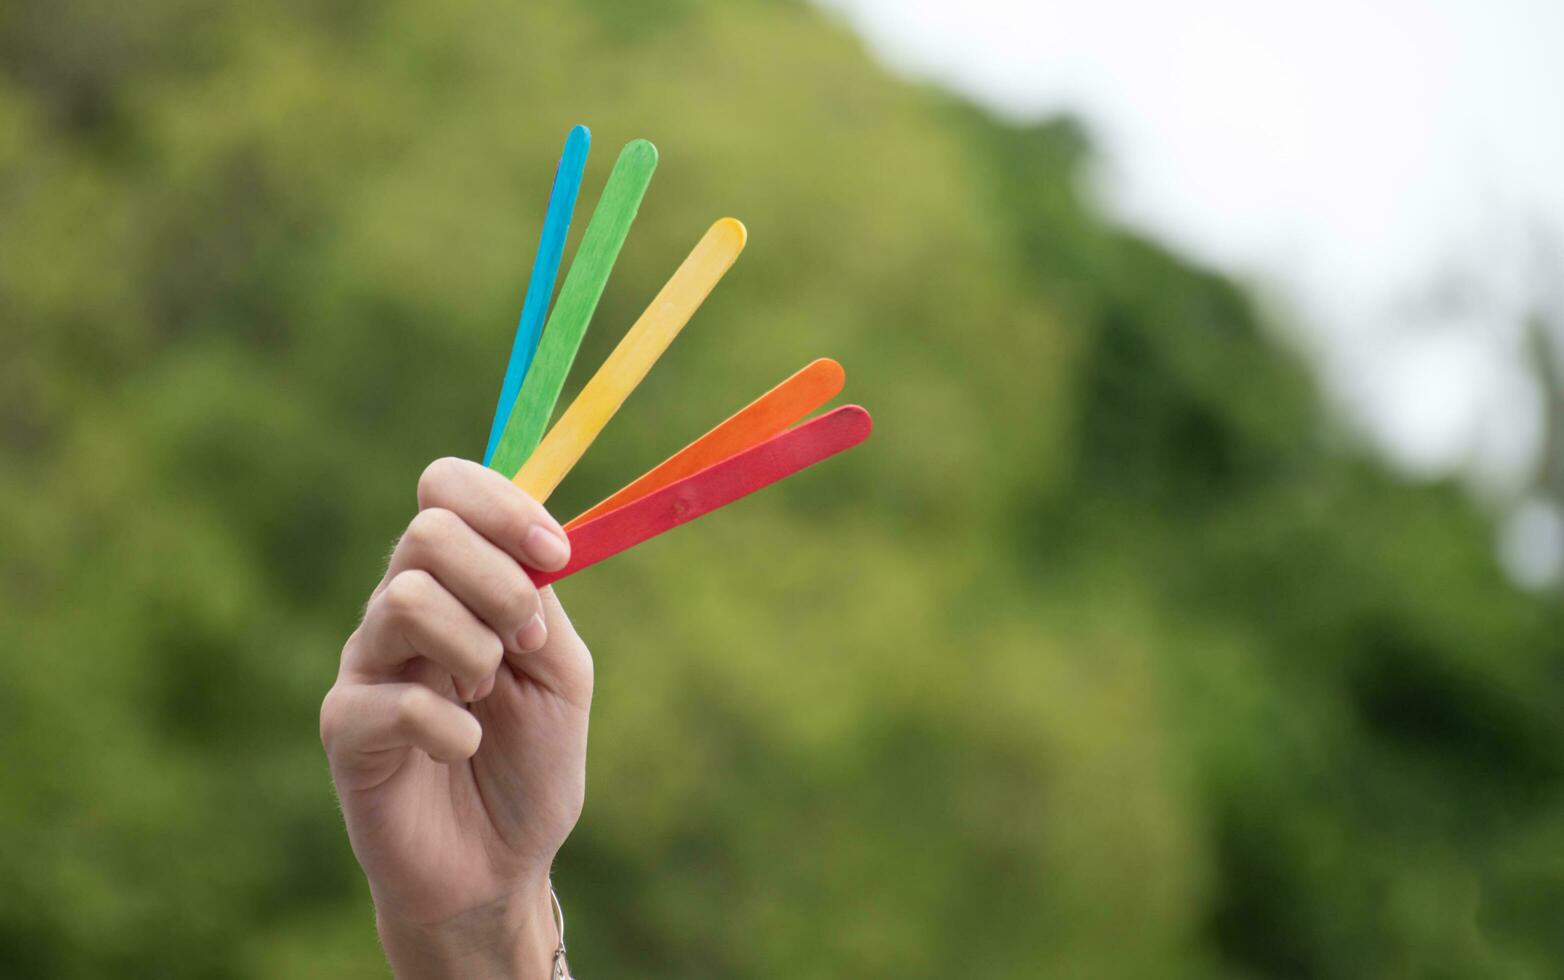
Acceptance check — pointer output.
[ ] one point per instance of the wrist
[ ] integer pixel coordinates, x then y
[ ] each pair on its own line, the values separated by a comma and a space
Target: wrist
514, 938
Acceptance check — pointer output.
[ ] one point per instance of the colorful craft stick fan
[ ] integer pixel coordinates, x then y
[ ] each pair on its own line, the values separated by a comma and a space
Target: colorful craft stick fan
760, 444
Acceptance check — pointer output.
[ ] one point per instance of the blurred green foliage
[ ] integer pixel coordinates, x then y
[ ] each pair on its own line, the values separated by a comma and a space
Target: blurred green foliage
1107, 656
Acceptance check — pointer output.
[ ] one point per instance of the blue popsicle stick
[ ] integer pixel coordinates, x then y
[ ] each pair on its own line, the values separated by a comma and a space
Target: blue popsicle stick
545, 272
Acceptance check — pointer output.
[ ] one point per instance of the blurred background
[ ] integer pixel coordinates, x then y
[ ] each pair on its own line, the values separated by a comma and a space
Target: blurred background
1193, 611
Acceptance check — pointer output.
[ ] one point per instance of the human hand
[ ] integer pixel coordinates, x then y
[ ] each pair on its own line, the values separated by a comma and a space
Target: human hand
456, 732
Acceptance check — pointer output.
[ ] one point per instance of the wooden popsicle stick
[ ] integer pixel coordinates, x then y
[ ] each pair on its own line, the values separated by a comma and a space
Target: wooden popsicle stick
578, 297
545, 272
629, 363
713, 487
809, 388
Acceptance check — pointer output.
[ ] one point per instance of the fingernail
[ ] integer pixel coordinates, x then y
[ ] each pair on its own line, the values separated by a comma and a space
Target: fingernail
533, 635
484, 690
549, 551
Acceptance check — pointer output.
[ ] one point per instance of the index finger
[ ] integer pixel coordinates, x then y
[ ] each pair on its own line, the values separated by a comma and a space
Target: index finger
496, 509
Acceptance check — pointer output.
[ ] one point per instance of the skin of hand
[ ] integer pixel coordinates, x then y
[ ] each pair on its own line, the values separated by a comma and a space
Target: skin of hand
456, 732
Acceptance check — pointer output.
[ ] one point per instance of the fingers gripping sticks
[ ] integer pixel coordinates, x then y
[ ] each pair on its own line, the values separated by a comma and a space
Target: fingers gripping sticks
760, 444
632, 359
545, 271
578, 297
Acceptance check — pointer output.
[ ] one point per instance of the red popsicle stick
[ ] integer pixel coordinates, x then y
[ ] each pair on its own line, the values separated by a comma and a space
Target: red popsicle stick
713, 487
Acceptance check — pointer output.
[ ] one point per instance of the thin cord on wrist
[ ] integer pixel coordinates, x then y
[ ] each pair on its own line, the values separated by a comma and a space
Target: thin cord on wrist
561, 968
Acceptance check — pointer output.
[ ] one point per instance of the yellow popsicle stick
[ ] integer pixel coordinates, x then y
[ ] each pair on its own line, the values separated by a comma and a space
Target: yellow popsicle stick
565, 444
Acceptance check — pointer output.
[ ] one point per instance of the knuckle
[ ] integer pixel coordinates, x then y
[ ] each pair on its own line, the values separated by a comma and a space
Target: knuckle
492, 652
406, 595
431, 529
437, 477
477, 661
413, 709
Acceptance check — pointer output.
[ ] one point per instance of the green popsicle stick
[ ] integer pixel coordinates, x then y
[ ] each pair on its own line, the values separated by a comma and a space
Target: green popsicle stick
578, 297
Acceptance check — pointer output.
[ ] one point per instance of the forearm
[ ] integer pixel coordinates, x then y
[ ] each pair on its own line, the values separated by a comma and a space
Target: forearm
513, 941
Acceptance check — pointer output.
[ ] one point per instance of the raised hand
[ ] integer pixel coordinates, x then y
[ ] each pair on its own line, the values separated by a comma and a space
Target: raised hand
456, 731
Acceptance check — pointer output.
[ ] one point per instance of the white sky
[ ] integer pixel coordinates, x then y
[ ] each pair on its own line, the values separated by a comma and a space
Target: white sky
1353, 158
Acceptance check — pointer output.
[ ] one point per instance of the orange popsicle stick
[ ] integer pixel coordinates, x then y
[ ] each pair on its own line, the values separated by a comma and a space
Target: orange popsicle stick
771, 413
